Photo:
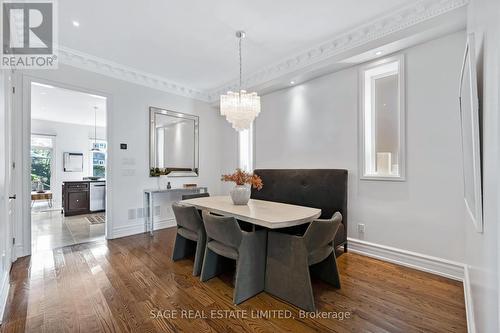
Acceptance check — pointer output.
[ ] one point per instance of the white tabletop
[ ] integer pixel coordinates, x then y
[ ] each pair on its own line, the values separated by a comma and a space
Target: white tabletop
268, 214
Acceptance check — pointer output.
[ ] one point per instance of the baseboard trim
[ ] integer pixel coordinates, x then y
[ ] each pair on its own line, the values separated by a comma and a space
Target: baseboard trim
4, 294
139, 228
443, 267
469, 308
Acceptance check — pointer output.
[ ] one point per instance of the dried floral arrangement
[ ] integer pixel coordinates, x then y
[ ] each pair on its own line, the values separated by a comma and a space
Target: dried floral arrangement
241, 177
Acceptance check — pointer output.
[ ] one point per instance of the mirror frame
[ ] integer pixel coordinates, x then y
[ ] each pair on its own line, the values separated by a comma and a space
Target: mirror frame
172, 172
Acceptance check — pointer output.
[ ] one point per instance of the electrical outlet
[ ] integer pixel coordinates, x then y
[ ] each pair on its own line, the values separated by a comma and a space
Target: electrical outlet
361, 228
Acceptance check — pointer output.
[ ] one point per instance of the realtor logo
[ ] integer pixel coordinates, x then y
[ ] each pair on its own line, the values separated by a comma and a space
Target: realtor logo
28, 35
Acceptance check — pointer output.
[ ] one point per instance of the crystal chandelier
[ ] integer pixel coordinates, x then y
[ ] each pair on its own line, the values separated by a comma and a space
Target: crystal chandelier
240, 108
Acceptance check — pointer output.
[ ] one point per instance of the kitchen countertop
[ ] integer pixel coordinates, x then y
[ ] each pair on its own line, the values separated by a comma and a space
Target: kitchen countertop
84, 181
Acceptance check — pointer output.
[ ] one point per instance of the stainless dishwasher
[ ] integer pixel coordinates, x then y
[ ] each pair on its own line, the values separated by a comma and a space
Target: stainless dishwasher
97, 196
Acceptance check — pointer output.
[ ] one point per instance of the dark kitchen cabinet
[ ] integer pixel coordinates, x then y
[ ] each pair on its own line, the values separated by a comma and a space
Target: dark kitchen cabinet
76, 198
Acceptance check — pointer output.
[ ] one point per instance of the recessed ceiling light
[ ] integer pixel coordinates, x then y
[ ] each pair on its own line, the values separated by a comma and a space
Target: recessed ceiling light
76, 23
378, 53
292, 82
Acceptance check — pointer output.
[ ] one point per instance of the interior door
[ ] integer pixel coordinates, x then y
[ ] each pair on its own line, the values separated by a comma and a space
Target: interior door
6, 196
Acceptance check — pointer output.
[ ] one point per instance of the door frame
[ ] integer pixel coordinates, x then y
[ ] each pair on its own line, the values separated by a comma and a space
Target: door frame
24, 81
6, 154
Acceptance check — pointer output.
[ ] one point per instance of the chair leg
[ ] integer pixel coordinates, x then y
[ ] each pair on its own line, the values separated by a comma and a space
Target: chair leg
212, 265
327, 271
181, 248
198, 257
345, 247
250, 266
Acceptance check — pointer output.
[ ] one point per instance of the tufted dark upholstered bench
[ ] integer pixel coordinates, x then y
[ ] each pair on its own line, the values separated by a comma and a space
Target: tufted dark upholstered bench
325, 189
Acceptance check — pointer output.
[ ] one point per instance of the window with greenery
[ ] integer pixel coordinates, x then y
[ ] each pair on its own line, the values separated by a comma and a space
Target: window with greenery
42, 160
98, 158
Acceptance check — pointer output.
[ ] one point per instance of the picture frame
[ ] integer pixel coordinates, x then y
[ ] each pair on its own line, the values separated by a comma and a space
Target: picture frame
73, 162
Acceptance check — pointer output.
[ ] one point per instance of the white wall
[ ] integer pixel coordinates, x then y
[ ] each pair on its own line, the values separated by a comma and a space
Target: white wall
314, 125
482, 250
71, 138
128, 170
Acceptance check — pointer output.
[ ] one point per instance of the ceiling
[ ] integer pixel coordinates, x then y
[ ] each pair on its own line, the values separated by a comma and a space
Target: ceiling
66, 106
189, 47
193, 42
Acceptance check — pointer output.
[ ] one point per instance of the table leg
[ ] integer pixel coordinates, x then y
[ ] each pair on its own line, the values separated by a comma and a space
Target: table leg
145, 210
148, 213
151, 214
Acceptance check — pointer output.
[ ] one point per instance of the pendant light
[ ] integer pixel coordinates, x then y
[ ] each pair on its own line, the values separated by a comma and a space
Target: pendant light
240, 108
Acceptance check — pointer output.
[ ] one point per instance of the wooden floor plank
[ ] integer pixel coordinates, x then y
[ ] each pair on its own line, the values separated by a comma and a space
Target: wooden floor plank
132, 285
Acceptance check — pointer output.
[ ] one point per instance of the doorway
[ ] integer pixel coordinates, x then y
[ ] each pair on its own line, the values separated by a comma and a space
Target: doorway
68, 158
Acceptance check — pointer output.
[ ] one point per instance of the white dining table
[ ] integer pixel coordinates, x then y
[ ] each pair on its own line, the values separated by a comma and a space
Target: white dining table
268, 214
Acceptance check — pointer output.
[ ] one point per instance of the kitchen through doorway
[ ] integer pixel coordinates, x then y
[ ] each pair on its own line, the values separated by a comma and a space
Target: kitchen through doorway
68, 167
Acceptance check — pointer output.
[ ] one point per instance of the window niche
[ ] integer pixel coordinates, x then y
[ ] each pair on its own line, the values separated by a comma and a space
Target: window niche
382, 120
246, 149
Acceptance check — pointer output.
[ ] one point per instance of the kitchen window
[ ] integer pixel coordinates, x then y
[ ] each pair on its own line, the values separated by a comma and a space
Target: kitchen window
42, 160
98, 158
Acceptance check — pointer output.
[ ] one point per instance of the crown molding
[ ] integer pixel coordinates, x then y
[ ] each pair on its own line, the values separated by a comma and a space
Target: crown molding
118, 71
383, 26
388, 24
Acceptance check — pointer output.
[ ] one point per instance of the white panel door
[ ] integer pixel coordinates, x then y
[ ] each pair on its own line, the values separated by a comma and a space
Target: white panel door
7, 197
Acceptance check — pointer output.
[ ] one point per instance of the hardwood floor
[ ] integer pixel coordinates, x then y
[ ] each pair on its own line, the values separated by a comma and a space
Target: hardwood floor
131, 285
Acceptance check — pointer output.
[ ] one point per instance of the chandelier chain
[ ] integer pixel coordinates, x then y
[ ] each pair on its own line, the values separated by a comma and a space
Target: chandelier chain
241, 65
95, 125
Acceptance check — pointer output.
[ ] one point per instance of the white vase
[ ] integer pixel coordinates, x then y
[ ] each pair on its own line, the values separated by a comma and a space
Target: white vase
240, 194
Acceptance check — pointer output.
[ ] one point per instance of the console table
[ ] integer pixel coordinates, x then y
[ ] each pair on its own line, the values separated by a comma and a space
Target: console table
177, 193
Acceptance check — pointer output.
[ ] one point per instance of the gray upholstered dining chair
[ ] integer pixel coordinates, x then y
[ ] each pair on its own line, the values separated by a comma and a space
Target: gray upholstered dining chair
289, 258
191, 236
225, 239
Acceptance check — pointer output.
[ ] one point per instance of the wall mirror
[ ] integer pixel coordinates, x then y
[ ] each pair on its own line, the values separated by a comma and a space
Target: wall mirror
173, 148
73, 162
